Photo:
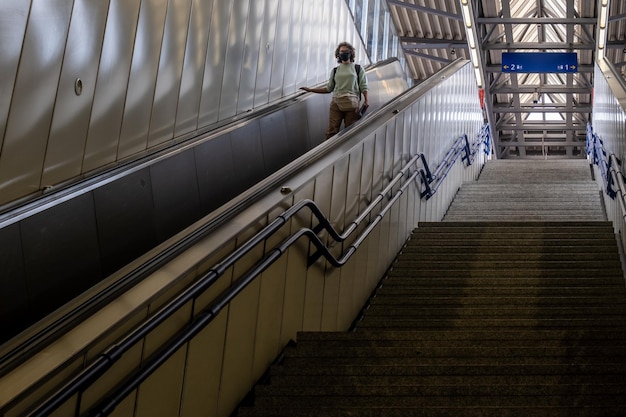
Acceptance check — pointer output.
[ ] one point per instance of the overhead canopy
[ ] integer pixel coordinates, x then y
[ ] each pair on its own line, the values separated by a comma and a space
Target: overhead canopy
532, 114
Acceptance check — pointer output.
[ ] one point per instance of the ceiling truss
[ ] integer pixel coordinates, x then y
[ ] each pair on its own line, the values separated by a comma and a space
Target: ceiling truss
537, 114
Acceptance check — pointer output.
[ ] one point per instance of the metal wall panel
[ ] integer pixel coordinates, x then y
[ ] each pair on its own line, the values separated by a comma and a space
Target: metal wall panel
214, 66
296, 274
70, 122
315, 282
295, 56
267, 344
233, 60
280, 57
193, 67
142, 80
13, 15
237, 368
108, 106
349, 304
252, 48
161, 392
335, 214
28, 124
267, 51
169, 75
304, 48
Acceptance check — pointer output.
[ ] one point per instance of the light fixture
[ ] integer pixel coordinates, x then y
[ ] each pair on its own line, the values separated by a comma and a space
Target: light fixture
467, 15
601, 38
470, 37
602, 27
479, 77
468, 20
452, 52
603, 16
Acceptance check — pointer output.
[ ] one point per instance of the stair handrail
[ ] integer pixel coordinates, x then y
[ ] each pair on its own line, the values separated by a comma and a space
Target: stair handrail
460, 146
608, 165
610, 168
113, 353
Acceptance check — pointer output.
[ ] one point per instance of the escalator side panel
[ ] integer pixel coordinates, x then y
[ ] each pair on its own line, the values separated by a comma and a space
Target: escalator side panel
128, 205
61, 254
217, 177
176, 195
13, 291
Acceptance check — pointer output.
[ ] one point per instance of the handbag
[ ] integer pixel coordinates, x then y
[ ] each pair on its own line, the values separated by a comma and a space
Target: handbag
347, 101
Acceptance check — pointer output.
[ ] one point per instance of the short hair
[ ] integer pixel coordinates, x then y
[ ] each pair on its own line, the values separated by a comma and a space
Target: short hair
347, 45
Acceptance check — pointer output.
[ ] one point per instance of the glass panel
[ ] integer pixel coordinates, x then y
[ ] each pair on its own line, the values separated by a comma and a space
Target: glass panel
381, 33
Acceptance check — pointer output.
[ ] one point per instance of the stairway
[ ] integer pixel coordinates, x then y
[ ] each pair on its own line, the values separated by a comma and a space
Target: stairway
527, 190
480, 317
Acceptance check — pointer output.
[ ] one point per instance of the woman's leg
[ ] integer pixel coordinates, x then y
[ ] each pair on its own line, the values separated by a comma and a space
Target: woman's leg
351, 117
335, 117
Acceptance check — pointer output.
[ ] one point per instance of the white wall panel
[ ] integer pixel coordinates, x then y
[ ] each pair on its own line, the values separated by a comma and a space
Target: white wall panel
267, 51
142, 81
214, 67
30, 115
167, 91
294, 53
233, 66
13, 16
252, 49
193, 67
72, 110
280, 57
111, 85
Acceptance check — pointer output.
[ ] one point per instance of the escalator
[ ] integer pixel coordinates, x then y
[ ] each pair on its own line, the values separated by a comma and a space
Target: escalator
374, 163
79, 237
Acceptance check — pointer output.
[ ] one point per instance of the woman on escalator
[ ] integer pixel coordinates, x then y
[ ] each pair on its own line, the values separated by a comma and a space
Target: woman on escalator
348, 83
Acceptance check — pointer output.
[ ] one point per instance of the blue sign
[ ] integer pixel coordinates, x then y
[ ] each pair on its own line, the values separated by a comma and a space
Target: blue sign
543, 62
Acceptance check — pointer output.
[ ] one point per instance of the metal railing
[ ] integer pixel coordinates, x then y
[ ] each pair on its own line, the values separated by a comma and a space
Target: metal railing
106, 359
610, 168
460, 147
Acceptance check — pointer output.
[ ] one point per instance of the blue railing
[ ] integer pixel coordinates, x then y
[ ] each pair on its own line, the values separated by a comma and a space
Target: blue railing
608, 164
461, 148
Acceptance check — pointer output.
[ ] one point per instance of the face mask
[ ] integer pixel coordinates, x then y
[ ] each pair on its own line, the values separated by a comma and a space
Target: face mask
345, 56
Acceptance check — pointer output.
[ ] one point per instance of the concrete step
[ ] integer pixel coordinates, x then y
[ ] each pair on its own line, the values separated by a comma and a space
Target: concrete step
442, 411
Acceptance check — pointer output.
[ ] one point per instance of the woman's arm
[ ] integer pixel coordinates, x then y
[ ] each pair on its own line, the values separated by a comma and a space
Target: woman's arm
320, 90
